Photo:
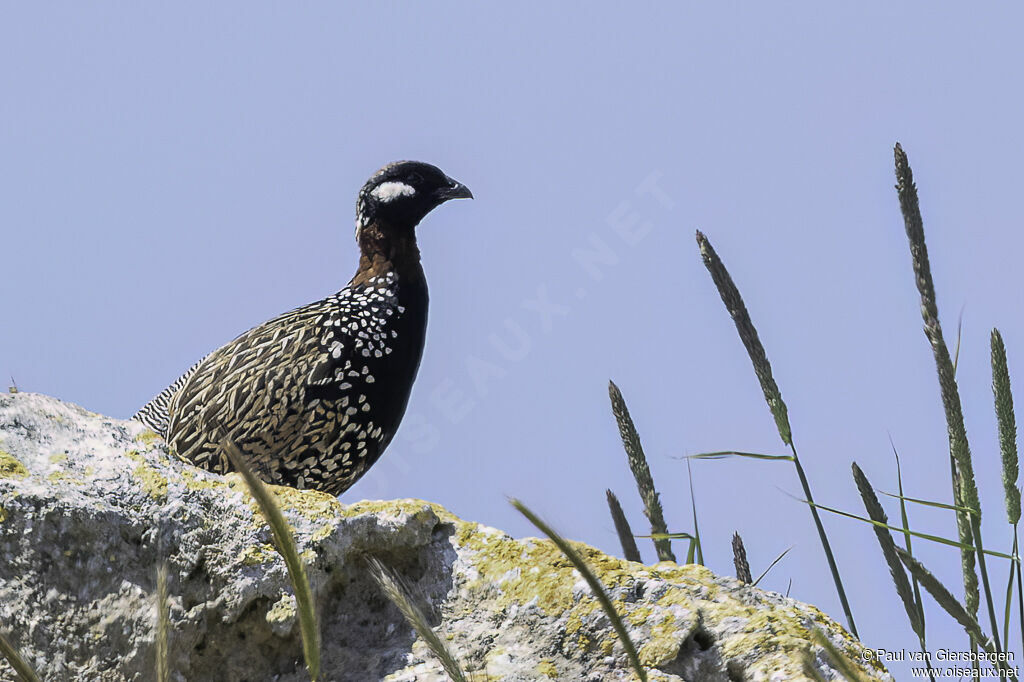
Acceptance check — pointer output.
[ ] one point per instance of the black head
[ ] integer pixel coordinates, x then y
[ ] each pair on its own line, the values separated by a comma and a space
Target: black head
401, 193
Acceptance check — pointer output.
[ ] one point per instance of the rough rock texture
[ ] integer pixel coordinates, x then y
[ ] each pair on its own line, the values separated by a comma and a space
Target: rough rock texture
90, 505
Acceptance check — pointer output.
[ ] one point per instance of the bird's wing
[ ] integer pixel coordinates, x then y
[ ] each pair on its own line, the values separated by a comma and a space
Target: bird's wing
257, 388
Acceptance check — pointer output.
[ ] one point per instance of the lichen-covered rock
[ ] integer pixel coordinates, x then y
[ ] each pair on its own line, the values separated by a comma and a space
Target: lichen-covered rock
90, 506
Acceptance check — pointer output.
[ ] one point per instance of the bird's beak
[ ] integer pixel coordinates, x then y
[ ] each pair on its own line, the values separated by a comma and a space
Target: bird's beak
455, 190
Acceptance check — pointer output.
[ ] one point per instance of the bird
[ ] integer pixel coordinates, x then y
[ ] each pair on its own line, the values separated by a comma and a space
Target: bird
313, 397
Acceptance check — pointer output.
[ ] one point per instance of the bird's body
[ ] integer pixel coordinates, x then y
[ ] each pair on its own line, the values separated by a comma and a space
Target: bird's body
313, 397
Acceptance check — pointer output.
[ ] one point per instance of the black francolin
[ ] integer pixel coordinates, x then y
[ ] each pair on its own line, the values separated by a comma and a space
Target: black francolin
313, 397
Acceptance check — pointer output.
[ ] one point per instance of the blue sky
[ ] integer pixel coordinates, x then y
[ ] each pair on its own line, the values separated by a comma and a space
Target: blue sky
172, 177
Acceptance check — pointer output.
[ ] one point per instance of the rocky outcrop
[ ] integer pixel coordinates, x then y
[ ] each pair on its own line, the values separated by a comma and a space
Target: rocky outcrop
89, 506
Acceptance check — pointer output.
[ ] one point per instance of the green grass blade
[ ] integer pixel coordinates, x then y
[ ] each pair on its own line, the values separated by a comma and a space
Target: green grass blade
1020, 587
696, 527
1008, 603
641, 471
162, 625
772, 565
1007, 426
885, 541
739, 560
595, 585
905, 520
22, 669
399, 594
622, 529
917, 534
926, 503
725, 454
965, 490
285, 544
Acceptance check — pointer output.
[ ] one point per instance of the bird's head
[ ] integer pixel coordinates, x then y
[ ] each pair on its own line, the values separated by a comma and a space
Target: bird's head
400, 194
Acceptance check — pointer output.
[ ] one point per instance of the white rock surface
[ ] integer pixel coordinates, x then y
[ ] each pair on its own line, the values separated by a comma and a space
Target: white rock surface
89, 506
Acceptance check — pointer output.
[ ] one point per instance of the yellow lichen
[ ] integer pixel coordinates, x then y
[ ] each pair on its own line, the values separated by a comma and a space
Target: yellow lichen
662, 645
194, 482
58, 458
147, 438
63, 477
3, 513
258, 554
547, 668
10, 467
322, 533
283, 611
152, 481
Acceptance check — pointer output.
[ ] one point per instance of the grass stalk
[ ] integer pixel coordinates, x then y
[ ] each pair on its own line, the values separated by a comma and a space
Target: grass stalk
163, 621
1007, 424
896, 570
622, 529
950, 605
641, 472
21, 667
595, 585
773, 396
398, 593
285, 543
965, 490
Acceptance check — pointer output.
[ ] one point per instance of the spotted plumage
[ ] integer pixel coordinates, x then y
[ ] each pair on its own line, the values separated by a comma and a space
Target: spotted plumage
313, 397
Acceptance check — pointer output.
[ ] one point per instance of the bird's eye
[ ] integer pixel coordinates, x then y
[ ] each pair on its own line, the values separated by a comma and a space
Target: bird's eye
415, 178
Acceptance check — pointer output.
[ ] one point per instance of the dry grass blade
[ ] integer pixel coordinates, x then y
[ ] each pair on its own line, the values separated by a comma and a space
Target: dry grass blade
847, 668
595, 585
948, 602
162, 625
1007, 426
748, 335
622, 529
809, 668
739, 560
885, 541
965, 490
22, 669
399, 594
779, 558
285, 544
667, 536
641, 471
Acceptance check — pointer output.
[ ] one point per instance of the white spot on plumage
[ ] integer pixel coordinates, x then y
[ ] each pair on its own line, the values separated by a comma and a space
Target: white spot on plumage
389, 191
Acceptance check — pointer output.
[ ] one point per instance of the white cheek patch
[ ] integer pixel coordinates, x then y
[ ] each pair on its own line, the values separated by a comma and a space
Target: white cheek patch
389, 191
